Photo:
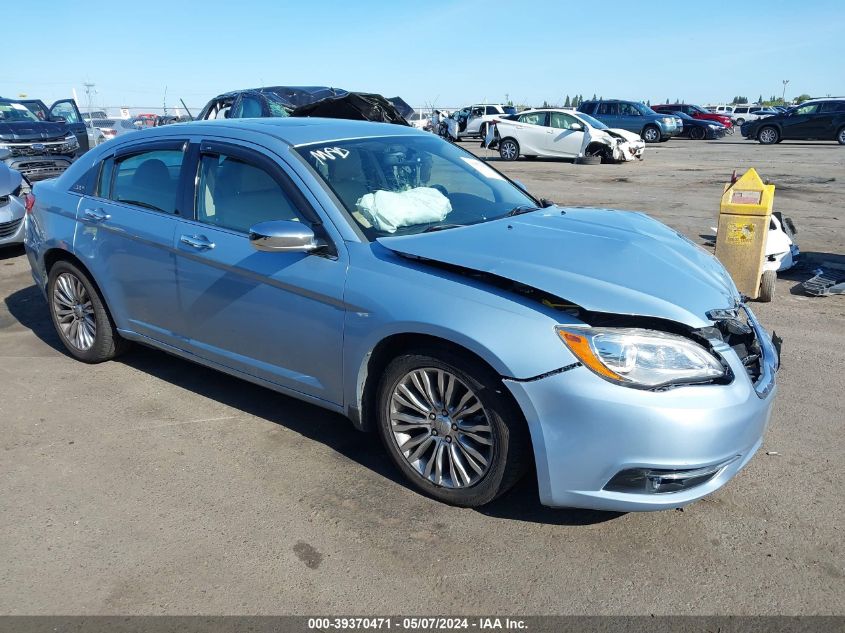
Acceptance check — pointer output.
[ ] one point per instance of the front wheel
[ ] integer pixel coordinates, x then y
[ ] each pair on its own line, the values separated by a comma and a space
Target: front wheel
80, 317
767, 286
768, 135
697, 133
449, 426
840, 136
509, 149
651, 134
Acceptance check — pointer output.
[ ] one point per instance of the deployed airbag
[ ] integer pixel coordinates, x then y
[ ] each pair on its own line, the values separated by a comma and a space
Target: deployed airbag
389, 210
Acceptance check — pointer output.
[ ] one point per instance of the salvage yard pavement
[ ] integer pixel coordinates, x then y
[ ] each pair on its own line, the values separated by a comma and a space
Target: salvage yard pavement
151, 485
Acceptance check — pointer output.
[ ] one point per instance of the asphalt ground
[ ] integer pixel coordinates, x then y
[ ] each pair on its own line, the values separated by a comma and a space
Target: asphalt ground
150, 485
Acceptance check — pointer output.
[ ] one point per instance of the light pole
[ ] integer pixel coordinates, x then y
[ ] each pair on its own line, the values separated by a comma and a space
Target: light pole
783, 94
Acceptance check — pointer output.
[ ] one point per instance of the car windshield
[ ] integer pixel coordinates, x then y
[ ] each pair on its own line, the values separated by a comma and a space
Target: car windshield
593, 122
14, 111
409, 184
682, 115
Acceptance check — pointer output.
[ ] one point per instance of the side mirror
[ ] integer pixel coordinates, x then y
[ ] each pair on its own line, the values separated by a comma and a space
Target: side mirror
282, 236
577, 127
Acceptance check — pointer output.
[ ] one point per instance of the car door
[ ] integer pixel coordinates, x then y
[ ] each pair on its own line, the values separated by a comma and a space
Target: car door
126, 235
608, 113
564, 140
802, 122
66, 109
276, 316
532, 133
474, 120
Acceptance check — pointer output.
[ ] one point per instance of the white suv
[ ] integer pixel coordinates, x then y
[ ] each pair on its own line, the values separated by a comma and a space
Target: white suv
473, 120
743, 113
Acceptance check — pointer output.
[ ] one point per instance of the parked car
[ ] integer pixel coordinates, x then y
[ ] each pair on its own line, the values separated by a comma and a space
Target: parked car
721, 109
37, 148
557, 133
699, 129
385, 274
64, 110
743, 113
634, 117
472, 121
12, 206
696, 112
111, 128
311, 101
818, 119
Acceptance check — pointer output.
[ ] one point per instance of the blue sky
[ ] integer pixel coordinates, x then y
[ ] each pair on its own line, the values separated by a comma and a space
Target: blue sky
446, 53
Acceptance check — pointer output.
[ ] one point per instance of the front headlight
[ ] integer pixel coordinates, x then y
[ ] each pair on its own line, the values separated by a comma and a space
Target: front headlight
641, 358
668, 120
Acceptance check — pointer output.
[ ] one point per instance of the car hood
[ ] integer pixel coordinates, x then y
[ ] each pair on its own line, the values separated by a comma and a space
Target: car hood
604, 260
631, 137
32, 130
10, 180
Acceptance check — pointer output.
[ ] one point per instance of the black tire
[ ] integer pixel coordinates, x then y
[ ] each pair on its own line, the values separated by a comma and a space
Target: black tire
840, 135
531, 157
697, 133
107, 343
651, 134
588, 160
768, 135
510, 454
508, 149
767, 286
739, 122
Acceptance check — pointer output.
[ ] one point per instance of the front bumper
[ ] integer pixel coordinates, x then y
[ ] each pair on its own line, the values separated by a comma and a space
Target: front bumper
41, 167
586, 430
12, 221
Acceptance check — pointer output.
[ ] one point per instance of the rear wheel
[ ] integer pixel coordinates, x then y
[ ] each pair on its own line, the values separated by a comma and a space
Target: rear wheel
80, 317
768, 135
509, 149
651, 134
449, 426
840, 136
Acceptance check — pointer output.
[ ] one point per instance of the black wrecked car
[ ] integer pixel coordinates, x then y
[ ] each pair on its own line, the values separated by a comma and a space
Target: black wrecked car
314, 101
41, 143
817, 119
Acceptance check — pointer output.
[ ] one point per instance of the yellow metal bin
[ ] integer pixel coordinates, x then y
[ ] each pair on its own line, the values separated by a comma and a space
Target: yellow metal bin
744, 217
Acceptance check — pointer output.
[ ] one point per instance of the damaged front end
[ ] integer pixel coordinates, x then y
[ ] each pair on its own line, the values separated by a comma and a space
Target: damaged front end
620, 147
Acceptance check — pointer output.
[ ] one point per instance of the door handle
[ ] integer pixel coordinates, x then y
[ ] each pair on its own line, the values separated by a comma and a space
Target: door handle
95, 215
199, 242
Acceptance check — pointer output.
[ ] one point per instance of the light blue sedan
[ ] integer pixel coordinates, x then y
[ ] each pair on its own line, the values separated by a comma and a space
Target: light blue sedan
385, 274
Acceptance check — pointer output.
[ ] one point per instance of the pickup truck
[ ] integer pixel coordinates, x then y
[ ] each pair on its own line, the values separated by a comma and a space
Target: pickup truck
634, 117
42, 142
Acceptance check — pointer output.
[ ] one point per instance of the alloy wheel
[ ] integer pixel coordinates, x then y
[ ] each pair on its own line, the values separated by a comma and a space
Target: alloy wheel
441, 428
508, 150
74, 312
768, 135
651, 135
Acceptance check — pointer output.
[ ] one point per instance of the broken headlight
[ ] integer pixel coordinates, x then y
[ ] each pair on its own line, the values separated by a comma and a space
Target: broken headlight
641, 358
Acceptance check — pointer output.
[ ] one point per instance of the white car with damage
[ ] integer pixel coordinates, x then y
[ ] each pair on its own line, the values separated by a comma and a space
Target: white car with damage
558, 133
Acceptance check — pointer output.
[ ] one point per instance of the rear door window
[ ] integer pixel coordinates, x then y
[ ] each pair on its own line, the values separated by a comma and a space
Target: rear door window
609, 109
147, 179
832, 106
534, 118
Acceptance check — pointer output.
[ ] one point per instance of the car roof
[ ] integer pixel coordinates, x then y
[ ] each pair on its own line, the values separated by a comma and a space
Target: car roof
295, 130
